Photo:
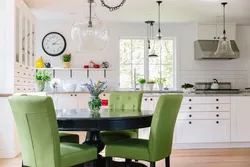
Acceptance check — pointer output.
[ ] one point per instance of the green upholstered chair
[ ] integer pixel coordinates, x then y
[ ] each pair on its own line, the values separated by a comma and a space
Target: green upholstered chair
122, 101
159, 145
64, 137
39, 137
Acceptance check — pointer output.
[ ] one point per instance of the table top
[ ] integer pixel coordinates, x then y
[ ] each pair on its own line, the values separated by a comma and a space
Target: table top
76, 114
83, 119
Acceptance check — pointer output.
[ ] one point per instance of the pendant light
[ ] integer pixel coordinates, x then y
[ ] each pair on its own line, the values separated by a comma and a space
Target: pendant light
224, 44
91, 34
159, 35
150, 38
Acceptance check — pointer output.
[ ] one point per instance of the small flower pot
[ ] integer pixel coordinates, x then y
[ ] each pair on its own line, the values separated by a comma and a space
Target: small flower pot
40, 85
141, 87
151, 86
160, 86
66, 64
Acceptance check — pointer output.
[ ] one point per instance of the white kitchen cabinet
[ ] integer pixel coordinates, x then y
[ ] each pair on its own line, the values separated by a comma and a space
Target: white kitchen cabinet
215, 31
202, 131
67, 101
149, 102
240, 115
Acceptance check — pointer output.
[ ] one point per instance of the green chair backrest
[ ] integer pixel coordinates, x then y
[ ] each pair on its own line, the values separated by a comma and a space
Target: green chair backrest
38, 131
125, 100
162, 126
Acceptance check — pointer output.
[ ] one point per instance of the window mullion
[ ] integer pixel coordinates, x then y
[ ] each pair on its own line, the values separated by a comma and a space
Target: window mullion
146, 61
131, 65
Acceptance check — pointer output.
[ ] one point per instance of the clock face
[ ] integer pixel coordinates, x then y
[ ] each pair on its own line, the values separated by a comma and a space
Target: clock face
54, 44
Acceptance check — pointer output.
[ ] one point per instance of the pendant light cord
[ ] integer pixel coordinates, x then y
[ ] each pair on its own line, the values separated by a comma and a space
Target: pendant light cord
90, 14
224, 20
159, 19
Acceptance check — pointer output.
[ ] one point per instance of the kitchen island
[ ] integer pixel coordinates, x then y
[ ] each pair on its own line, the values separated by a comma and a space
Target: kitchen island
204, 120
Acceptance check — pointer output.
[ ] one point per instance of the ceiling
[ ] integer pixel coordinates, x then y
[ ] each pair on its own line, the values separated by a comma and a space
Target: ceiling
237, 11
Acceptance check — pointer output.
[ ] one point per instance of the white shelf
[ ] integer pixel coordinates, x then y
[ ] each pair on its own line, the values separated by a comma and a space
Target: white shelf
76, 69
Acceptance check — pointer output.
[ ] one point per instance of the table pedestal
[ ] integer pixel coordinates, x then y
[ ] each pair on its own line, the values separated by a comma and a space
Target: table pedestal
93, 138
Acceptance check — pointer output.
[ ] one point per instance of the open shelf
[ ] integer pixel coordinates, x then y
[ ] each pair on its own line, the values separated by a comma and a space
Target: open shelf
76, 69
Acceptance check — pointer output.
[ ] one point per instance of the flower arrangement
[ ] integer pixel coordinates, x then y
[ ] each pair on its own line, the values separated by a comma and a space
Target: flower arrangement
95, 89
43, 76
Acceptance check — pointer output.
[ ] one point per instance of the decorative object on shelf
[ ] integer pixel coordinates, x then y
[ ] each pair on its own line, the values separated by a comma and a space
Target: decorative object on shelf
47, 64
55, 84
105, 64
224, 45
66, 60
91, 34
69, 87
142, 82
150, 38
113, 8
96, 66
187, 88
160, 82
86, 66
151, 85
95, 89
215, 84
91, 64
54, 44
39, 63
41, 78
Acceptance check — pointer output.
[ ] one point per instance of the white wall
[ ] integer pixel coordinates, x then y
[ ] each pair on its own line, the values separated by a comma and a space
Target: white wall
188, 69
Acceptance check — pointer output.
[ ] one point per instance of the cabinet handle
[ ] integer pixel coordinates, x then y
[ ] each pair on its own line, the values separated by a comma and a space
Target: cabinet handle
214, 37
151, 99
75, 94
190, 122
71, 95
217, 122
217, 115
218, 37
146, 99
217, 99
190, 99
190, 108
190, 116
217, 107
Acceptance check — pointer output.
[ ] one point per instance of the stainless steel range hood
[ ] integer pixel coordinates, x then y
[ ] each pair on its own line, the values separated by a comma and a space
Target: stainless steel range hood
205, 49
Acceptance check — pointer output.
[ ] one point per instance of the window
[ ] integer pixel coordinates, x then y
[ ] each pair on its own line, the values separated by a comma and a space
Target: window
135, 63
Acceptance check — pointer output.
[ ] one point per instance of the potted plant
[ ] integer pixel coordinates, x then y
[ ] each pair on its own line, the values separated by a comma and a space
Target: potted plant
187, 88
41, 78
160, 82
142, 82
66, 60
151, 85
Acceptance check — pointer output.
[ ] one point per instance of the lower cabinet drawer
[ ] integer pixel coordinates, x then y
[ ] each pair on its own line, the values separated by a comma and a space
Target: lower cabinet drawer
205, 107
202, 131
204, 115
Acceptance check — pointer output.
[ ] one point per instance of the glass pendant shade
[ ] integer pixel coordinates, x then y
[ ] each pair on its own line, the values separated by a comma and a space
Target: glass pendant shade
224, 47
90, 34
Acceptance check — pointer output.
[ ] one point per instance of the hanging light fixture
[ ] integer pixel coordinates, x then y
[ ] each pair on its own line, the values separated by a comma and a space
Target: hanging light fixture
224, 44
91, 34
159, 35
150, 38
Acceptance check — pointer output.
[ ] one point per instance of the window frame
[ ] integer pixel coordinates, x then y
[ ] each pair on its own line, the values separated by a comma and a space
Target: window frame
146, 59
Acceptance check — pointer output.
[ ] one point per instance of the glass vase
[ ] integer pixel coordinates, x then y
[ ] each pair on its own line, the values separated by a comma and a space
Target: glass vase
95, 103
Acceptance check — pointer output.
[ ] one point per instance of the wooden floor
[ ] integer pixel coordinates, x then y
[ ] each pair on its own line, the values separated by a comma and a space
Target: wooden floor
186, 158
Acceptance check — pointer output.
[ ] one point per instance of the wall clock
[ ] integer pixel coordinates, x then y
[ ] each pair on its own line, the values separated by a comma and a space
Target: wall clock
54, 44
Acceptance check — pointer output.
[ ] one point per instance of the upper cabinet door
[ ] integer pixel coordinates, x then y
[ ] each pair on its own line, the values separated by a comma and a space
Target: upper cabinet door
207, 32
230, 31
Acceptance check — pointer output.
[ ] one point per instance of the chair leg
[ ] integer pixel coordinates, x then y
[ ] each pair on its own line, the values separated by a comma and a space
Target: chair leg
128, 162
94, 163
152, 164
108, 161
167, 161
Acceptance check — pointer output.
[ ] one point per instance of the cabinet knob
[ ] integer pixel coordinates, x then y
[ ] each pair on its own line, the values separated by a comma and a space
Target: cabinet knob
217, 107
104, 95
217, 99
217, 122
218, 37
75, 94
190, 122
71, 95
217, 115
190, 116
190, 108
151, 99
214, 37
190, 99
146, 99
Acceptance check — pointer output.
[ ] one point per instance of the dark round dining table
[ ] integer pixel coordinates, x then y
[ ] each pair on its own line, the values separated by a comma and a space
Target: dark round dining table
104, 120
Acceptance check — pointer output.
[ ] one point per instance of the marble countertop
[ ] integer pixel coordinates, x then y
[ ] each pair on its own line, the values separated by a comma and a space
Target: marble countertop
157, 93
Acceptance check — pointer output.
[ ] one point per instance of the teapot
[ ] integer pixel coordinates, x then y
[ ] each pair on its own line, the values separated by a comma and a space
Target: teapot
47, 64
215, 84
